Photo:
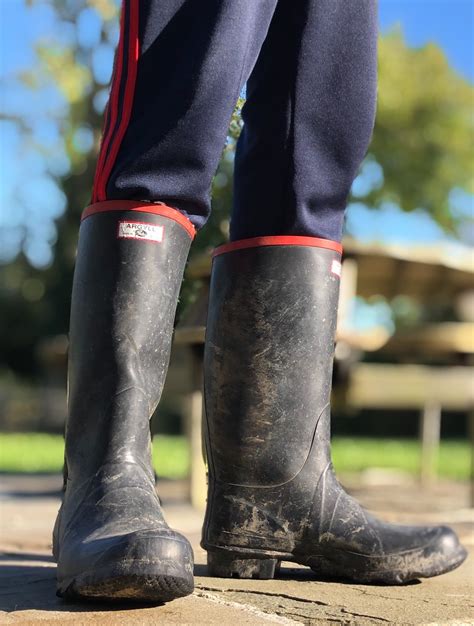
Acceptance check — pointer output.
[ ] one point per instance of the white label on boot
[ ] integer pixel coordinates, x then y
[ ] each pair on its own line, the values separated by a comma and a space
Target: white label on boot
336, 268
140, 230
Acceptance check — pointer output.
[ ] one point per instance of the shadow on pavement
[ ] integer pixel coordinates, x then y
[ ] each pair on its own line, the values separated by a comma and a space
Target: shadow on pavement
28, 582
305, 574
30, 485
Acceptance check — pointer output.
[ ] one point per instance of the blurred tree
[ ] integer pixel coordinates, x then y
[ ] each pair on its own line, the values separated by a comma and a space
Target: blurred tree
26, 318
420, 153
424, 131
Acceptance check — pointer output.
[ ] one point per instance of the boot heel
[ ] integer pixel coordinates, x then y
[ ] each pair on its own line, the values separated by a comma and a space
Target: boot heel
225, 565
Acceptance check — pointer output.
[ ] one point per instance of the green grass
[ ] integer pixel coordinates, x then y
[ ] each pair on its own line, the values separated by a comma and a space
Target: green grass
32, 452
354, 455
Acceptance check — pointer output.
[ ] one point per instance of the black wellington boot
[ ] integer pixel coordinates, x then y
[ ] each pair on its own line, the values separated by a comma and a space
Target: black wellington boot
110, 539
273, 494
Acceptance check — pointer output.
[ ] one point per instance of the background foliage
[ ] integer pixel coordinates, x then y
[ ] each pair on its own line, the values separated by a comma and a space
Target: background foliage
420, 157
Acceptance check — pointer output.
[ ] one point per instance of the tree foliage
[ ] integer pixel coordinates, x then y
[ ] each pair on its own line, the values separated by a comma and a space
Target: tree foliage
424, 130
421, 146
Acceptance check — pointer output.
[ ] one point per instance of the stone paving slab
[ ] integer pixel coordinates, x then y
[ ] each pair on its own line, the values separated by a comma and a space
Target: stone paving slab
27, 572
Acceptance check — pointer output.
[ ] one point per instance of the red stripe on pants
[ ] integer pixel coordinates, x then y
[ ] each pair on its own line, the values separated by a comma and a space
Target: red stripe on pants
114, 137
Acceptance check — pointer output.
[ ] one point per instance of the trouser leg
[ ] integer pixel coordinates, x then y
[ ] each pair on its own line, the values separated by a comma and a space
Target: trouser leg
179, 68
307, 120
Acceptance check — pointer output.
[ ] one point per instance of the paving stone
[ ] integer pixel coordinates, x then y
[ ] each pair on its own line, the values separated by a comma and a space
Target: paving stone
27, 572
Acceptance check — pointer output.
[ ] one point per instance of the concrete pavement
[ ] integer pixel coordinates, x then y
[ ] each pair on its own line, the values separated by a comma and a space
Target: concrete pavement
27, 572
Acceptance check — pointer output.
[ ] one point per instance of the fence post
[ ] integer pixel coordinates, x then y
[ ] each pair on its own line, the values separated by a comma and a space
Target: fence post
470, 428
430, 433
197, 477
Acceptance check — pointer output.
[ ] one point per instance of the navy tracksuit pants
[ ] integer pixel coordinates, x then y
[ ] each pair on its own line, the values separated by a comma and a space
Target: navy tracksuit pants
310, 70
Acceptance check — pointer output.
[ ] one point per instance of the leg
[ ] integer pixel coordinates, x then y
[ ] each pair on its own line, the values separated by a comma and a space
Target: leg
179, 70
164, 130
273, 494
307, 120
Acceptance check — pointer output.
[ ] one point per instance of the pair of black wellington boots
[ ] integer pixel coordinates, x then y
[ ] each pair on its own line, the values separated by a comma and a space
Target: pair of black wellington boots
273, 495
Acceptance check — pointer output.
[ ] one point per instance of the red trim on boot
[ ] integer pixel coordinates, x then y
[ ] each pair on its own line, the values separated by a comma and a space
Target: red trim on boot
278, 240
142, 207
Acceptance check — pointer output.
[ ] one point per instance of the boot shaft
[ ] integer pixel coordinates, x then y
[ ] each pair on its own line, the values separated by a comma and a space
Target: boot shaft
128, 274
268, 358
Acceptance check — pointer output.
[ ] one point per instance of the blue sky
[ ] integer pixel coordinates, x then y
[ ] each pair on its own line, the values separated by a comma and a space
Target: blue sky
449, 23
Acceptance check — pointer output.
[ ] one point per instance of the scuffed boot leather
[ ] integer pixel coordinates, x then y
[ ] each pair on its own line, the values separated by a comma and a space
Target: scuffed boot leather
273, 494
110, 538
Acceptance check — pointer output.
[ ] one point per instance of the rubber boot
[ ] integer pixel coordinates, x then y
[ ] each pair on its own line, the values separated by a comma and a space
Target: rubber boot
273, 494
110, 539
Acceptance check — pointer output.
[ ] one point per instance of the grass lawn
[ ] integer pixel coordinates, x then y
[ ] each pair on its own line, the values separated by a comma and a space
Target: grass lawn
33, 452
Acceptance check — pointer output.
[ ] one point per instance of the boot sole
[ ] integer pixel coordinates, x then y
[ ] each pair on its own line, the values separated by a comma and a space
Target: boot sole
137, 581
343, 566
